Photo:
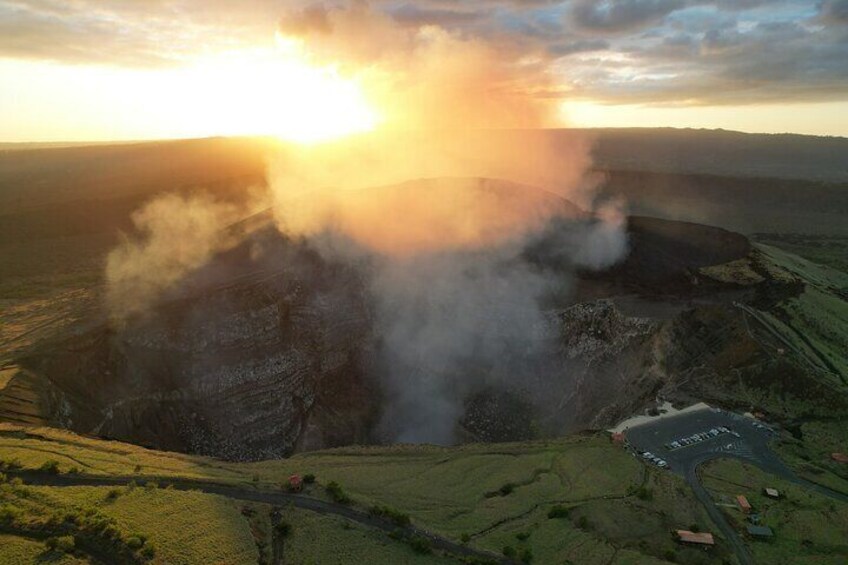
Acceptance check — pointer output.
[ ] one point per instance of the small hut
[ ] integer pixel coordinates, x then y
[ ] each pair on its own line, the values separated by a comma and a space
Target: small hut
295, 483
743, 503
771, 492
760, 531
700, 538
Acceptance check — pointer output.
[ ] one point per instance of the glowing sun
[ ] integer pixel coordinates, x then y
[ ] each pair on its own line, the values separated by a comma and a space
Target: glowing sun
276, 92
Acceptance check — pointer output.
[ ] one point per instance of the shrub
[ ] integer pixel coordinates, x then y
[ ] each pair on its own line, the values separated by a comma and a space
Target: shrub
643, 493
670, 555
399, 518
522, 536
583, 523
420, 545
9, 514
137, 469
151, 486
134, 542
113, 494
337, 494
74, 470
526, 555
465, 538
694, 528
309, 478
283, 528
10, 464
51, 466
506, 489
65, 544
558, 511
509, 552
148, 552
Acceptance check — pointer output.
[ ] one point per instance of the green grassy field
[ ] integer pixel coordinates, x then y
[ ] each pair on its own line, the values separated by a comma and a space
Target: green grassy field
489, 496
808, 527
815, 323
17, 550
211, 528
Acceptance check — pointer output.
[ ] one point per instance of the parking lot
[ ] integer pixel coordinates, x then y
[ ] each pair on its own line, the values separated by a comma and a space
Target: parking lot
680, 441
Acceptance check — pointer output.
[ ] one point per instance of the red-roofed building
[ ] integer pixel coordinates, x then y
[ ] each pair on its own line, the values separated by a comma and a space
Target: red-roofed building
618, 438
701, 538
295, 483
839, 457
743, 503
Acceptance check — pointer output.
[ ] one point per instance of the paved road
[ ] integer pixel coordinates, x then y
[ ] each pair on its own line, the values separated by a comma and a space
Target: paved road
748, 442
275, 498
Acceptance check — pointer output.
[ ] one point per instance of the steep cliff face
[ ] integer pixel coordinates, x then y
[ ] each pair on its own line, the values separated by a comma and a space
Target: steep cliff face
259, 355
250, 369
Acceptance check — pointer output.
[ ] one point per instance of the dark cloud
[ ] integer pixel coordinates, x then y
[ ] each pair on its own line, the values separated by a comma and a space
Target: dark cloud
834, 11
620, 15
578, 46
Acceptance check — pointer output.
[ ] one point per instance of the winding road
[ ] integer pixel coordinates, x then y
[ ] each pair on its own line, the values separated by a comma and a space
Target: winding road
274, 498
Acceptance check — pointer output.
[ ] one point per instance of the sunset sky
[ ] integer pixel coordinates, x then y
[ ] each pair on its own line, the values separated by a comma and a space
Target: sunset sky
143, 69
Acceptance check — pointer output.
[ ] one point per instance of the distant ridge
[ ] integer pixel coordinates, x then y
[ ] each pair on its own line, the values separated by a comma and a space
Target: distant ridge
661, 150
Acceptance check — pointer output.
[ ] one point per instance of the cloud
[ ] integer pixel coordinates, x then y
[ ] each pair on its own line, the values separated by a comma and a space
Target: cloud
415, 15
613, 51
620, 15
834, 12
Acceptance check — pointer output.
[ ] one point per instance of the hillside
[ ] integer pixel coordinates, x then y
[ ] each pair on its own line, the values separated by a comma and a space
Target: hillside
547, 501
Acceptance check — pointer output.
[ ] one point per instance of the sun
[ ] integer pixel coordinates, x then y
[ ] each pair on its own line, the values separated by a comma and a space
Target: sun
277, 93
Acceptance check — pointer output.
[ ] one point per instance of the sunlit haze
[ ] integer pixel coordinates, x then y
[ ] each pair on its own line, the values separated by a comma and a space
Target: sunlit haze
309, 72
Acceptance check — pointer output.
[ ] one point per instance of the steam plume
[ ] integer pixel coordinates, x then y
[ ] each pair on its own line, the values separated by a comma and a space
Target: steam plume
460, 303
176, 235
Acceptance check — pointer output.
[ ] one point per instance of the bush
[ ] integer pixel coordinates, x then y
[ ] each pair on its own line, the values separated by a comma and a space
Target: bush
526, 555
65, 544
643, 493
337, 494
583, 523
148, 552
137, 469
399, 518
74, 470
134, 542
51, 466
113, 494
420, 545
506, 489
694, 528
283, 528
465, 538
509, 552
10, 464
558, 511
522, 536
309, 478
150, 486
9, 514
670, 555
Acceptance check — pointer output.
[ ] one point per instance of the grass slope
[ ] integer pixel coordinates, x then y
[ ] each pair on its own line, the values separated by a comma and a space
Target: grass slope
808, 527
480, 494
